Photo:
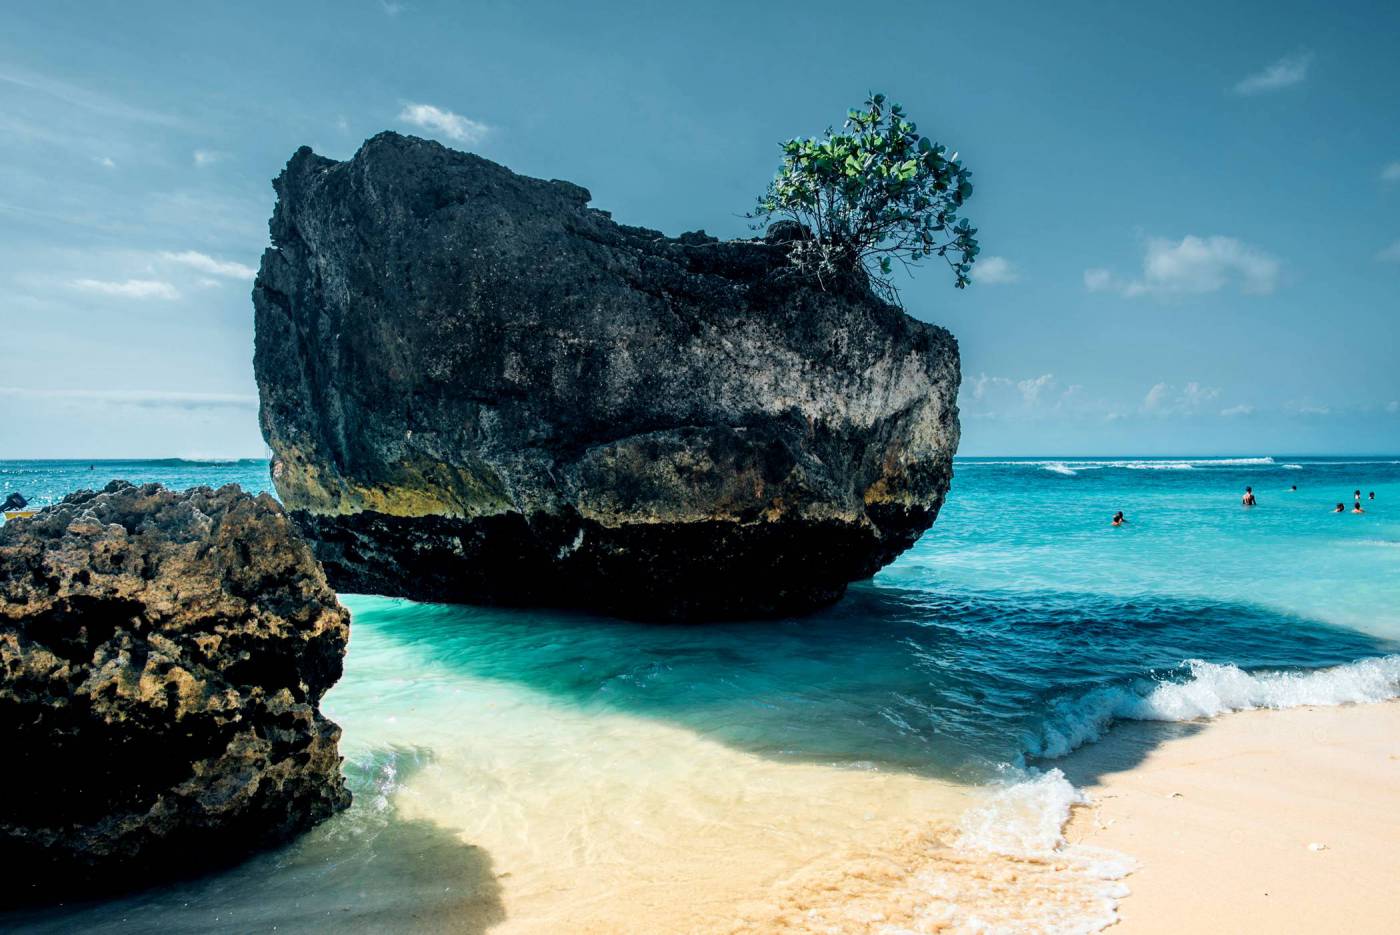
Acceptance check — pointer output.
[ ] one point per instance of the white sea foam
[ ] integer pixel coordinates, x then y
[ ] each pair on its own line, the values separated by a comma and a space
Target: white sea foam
1158, 465
1293, 467
1025, 819
1133, 464
1212, 690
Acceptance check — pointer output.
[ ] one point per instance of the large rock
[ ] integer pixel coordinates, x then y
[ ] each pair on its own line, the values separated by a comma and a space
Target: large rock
477, 388
163, 657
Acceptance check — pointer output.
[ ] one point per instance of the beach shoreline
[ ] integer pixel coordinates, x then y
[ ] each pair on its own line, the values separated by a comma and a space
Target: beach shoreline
1259, 821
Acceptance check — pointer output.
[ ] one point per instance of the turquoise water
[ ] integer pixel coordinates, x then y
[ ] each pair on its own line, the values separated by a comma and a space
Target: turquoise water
1019, 627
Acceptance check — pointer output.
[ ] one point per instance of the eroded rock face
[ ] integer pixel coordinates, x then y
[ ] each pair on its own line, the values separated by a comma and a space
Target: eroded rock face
478, 389
162, 656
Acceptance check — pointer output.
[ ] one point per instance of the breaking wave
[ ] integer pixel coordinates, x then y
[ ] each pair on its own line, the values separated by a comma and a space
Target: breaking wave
1211, 690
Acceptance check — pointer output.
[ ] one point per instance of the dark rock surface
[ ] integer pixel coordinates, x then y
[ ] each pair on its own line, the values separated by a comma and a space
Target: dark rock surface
478, 389
162, 655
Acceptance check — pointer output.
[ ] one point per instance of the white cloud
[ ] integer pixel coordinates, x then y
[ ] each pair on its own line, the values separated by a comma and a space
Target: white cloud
1313, 410
1240, 410
1165, 400
104, 161
207, 157
1390, 254
130, 289
1031, 389
1391, 173
151, 398
1098, 280
392, 9
994, 271
1284, 73
981, 382
988, 397
207, 264
453, 126
1193, 266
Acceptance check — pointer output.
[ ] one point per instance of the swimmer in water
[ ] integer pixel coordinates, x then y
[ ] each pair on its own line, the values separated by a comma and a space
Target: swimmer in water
1357, 508
1341, 508
1293, 488
1118, 519
1248, 498
1373, 495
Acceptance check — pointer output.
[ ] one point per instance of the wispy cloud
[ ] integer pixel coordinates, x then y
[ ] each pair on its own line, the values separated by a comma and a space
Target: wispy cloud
392, 9
1005, 398
207, 264
1163, 399
1390, 254
1243, 409
1032, 388
147, 398
129, 289
1391, 172
453, 126
207, 157
1194, 265
1284, 73
104, 161
80, 97
994, 271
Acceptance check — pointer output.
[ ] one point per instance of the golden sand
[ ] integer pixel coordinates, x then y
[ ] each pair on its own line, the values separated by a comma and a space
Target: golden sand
1263, 821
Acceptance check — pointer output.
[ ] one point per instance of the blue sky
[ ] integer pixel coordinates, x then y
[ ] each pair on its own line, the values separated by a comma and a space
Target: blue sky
1190, 214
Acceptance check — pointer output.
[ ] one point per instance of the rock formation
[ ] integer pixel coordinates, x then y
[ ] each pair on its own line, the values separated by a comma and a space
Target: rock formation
163, 656
478, 389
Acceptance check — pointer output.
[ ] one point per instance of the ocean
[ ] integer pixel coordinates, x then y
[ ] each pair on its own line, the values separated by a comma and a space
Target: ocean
887, 764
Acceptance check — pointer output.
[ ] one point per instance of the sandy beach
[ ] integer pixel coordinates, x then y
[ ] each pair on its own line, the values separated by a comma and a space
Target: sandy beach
1263, 821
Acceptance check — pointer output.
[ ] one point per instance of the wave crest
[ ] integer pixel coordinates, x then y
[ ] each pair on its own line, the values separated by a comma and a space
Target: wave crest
1211, 690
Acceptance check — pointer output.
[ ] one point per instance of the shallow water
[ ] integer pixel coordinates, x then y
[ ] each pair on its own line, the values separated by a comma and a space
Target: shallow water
541, 771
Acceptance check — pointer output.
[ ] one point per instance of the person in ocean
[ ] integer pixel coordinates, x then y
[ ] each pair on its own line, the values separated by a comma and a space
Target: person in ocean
1293, 488
1357, 508
1248, 498
1357, 495
1373, 495
1118, 519
1341, 508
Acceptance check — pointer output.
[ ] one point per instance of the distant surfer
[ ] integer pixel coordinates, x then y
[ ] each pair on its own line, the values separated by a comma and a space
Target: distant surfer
1118, 519
1248, 498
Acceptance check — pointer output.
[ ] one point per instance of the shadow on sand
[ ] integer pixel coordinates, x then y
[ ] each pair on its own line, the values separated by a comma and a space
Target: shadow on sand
365, 870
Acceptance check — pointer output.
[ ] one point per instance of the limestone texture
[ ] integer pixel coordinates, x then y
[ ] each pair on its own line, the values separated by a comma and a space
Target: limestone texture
479, 389
162, 657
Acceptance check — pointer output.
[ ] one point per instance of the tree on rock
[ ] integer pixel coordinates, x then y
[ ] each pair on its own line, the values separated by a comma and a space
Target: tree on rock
875, 194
